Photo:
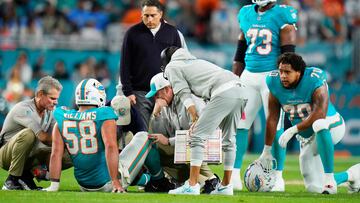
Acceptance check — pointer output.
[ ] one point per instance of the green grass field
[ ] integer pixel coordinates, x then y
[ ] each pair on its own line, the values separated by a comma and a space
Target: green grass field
295, 191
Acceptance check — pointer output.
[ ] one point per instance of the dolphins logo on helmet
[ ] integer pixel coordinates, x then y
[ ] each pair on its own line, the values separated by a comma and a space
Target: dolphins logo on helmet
90, 92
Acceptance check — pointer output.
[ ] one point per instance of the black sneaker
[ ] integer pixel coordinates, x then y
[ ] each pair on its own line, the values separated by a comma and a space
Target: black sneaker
27, 182
162, 185
210, 185
11, 183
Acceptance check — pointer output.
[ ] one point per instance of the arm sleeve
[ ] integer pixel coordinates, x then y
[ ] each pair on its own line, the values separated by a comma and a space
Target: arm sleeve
27, 117
125, 63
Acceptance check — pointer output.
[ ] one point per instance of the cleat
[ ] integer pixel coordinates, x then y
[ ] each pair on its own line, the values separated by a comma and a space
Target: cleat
354, 179
12, 183
279, 185
162, 185
330, 187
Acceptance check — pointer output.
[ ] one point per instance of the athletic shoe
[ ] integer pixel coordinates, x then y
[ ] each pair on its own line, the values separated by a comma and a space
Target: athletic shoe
223, 190
279, 185
236, 180
11, 183
162, 185
26, 180
354, 179
211, 184
330, 185
28, 183
186, 189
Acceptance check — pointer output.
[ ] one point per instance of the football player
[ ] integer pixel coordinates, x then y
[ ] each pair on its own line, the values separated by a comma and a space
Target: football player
89, 135
266, 30
302, 93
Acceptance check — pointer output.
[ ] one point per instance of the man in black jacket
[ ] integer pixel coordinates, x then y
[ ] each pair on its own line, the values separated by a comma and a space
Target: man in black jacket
140, 56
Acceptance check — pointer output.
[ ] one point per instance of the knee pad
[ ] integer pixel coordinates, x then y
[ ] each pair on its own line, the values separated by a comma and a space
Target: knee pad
319, 125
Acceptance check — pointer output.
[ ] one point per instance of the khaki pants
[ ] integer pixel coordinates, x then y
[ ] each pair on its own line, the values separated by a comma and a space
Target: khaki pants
180, 172
24, 151
14, 154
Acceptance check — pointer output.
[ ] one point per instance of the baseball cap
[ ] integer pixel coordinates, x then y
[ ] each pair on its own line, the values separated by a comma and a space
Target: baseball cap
157, 83
121, 105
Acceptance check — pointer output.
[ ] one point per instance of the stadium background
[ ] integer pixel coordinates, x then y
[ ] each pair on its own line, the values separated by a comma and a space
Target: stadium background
72, 40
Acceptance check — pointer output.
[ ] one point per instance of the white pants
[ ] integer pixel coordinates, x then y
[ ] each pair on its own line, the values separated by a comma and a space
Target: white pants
132, 158
108, 187
257, 93
311, 166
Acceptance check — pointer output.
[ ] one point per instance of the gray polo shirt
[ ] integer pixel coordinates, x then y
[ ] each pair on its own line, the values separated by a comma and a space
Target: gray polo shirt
24, 115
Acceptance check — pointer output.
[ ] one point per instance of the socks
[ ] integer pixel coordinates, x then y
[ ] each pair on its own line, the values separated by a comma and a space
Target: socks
341, 177
152, 162
144, 179
241, 146
326, 149
278, 152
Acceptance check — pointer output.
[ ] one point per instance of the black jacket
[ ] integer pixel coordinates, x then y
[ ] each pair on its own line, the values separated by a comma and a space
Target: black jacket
140, 55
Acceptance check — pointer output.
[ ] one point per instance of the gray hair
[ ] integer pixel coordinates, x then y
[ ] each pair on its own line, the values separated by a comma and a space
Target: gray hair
47, 83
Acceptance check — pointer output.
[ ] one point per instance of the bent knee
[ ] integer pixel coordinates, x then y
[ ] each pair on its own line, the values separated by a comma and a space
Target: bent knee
27, 136
319, 125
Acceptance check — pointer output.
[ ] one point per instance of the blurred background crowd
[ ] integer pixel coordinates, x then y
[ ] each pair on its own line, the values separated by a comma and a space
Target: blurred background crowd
76, 39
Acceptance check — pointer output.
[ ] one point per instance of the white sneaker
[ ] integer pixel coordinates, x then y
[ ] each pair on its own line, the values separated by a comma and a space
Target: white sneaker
279, 185
330, 185
223, 190
354, 179
186, 189
236, 179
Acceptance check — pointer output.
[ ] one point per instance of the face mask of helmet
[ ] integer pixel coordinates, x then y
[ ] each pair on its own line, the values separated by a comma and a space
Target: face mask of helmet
262, 3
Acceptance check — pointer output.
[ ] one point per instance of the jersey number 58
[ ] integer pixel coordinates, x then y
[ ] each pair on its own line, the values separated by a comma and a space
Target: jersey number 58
87, 142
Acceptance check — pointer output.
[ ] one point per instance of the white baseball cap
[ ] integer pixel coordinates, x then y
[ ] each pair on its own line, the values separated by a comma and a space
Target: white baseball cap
157, 83
121, 105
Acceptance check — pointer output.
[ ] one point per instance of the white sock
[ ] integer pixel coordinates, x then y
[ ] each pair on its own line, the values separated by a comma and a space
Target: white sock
236, 172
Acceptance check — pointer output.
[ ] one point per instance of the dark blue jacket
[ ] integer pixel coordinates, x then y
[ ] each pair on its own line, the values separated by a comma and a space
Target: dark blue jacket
140, 55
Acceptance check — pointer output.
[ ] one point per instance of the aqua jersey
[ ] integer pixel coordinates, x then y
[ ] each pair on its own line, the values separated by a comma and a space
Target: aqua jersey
262, 34
81, 132
297, 102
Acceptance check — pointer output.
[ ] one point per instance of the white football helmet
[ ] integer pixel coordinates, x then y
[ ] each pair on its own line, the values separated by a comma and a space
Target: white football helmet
262, 3
90, 92
258, 178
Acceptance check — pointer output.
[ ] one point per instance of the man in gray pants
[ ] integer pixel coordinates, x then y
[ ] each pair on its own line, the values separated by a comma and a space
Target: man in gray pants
188, 75
171, 115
